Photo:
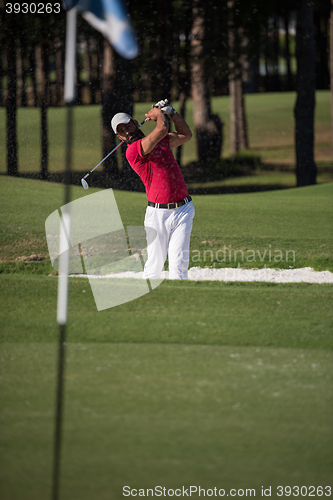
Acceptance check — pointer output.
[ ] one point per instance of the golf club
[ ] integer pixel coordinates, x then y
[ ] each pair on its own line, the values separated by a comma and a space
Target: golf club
83, 180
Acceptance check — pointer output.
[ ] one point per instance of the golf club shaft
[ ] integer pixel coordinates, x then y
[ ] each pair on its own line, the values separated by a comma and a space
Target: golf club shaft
114, 149
122, 142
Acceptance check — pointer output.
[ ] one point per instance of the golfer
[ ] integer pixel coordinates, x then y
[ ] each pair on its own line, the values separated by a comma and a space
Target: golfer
170, 210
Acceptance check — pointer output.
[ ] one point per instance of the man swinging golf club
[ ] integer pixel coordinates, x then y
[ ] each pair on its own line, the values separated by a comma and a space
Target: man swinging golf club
170, 210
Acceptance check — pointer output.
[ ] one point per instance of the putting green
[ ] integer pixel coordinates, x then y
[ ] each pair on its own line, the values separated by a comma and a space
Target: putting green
148, 415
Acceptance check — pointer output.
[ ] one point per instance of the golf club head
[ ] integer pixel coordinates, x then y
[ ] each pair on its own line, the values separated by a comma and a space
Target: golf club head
84, 183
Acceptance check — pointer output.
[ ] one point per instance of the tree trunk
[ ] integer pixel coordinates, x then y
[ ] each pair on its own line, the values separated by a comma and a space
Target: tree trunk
276, 51
109, 102
331, 64
44, 87
182, 111
11, 107
59, 71
21, 76
32, 70
78, 76
125, 104
208, 126
286, 19
91, 72
162, 74
306, 169
238, 126
1, 76
44, 142
161, 53
24, 48
185, 79
267, 75
234, 138
321, 41
242, 122
100, 70
93, 62
87, 69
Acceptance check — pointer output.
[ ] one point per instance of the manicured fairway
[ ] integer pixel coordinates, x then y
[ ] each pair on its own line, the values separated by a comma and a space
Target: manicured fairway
145, 415
260, 314
274, 229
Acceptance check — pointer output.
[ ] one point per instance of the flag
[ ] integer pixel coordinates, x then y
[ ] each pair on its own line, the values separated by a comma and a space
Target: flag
111, 18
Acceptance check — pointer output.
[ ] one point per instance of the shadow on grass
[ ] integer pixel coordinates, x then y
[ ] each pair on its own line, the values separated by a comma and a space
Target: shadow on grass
202, 177
98, 180
279, 147
200, 173
255, 188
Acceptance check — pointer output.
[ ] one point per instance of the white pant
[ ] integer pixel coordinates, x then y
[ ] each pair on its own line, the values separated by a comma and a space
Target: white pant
168, 232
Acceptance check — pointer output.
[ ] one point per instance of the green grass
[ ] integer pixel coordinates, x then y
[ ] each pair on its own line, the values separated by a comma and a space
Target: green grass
270, 124
260, 180
170, 415
274, 229
280, 315
271, 127
209, 384
298, 220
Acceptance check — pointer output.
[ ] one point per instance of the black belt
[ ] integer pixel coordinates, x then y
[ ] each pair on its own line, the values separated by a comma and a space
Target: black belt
170, 206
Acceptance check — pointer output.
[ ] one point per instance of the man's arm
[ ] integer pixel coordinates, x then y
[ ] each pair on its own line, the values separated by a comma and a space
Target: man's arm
149, 142
183, 132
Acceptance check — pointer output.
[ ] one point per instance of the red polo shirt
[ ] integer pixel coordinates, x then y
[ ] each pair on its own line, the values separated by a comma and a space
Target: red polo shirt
159, 172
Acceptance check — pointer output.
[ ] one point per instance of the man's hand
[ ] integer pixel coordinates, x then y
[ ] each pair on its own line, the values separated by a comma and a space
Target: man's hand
155, 114
149, 142
165, 107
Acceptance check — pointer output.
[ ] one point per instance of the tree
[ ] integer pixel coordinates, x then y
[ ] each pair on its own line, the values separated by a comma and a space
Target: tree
109, 101
161, 79
237, 43
306, 169
32, 71
321, 16
331, 63
183, 60
286, 21
11, 106
208, 127
58, 60
44, 79
1, 75
125, 104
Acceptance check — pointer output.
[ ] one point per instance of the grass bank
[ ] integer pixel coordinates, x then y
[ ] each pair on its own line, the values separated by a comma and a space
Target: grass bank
280, 229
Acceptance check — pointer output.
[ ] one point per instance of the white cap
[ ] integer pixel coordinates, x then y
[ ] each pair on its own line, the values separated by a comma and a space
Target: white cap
118, 119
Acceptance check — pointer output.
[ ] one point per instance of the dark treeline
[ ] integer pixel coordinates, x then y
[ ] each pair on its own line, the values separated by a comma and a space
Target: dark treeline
188, 49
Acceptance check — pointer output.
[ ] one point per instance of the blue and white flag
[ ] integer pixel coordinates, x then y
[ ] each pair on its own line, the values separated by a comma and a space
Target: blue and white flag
111, 18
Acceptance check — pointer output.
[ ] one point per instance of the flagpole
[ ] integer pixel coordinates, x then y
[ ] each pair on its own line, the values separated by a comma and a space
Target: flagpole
62, 305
